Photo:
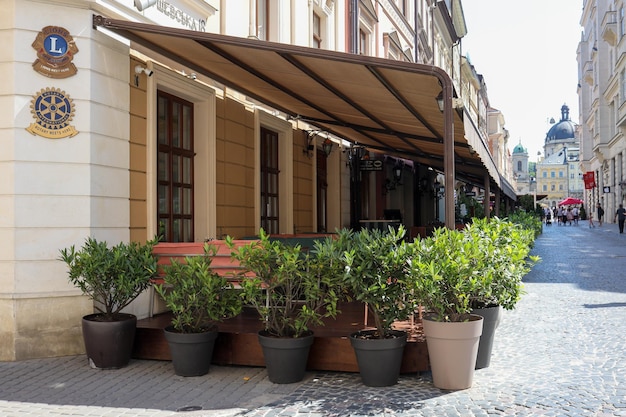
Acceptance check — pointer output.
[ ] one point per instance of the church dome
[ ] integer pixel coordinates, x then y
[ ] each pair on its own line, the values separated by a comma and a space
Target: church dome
519, 149
564, 129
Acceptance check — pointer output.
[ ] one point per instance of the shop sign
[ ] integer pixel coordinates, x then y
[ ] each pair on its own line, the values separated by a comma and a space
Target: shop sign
371, 165
166, 13
55, 51
53, 111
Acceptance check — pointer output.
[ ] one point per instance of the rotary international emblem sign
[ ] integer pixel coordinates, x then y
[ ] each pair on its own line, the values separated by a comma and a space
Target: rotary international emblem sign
53, 111
55, 50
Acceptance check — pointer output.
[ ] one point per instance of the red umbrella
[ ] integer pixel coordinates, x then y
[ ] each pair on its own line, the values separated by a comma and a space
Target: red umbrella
569, 201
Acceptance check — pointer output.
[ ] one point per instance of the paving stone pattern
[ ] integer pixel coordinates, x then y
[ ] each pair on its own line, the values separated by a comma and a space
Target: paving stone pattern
561, 352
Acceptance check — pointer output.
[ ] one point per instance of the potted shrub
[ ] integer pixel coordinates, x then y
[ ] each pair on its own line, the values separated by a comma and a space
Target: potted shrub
199, 299
112, 277
376, 274
291, 291
505, 260
446, 270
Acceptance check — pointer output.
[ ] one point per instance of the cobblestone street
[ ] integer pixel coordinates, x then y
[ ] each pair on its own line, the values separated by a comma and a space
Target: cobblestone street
561, 352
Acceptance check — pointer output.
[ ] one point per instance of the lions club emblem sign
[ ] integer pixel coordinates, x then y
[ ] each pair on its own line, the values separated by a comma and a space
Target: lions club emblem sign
55, 51
53, 111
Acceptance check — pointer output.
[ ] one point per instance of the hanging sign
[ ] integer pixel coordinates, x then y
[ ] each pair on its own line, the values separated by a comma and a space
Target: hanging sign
371, 165
589, 179
53, 111
55, 51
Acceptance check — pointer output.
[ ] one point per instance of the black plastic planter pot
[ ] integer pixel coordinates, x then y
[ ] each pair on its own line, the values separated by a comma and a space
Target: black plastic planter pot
191, 352
285, 357
109, 344
379, 360
491, 320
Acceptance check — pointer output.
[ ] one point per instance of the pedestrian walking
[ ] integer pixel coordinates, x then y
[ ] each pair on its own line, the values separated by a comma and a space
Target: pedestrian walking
576, 214
600, 212
620, 216
591, 220
547, 215
569, 216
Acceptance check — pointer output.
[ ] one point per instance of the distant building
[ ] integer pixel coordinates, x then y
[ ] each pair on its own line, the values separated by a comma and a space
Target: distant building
558, 173
521, 173
601, 95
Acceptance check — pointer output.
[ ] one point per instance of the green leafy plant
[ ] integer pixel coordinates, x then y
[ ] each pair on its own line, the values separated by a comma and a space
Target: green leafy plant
290, 289
377, 268
198, 297
111, 276
442, 270
504, 257
482, 265
527, 220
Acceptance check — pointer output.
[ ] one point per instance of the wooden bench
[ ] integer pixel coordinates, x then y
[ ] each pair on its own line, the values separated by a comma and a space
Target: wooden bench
221, 261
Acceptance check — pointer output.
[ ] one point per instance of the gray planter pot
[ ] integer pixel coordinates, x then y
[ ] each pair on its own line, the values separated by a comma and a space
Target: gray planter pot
191, 352
109, 344
286, 357
379, 360
491, 320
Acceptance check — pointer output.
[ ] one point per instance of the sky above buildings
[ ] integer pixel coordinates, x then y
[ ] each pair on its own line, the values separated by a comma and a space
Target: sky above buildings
526, 51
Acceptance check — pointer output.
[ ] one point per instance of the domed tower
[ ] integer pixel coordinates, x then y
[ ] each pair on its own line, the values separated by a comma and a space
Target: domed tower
558, 174
561, 135
520, 168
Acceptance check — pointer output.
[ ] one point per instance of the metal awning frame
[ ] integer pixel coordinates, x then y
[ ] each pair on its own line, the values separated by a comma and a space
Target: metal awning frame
387, 106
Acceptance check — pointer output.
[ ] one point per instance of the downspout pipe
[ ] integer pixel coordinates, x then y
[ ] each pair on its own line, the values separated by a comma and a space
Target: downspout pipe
354, 26
448, 148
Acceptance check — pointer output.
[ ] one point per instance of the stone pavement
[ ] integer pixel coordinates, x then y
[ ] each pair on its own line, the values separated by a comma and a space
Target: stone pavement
561, 352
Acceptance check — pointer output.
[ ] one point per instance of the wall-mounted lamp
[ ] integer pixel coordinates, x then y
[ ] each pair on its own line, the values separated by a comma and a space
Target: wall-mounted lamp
391, 184
308, 146
457, 103
438, 190
439, 99
144, 4
327, 146
622, 185
423, 186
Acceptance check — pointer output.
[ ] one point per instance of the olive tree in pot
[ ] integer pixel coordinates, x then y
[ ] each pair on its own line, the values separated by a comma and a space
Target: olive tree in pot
112, 277
199, 300
291, 290
506, 259
446, 273
376, 274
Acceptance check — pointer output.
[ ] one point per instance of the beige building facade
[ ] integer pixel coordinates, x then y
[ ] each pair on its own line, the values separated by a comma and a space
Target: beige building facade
601, 94
112, 138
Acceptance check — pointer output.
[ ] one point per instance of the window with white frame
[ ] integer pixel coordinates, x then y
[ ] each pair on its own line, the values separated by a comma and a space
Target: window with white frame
363, 42
317, 31
367, 23
622, 86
